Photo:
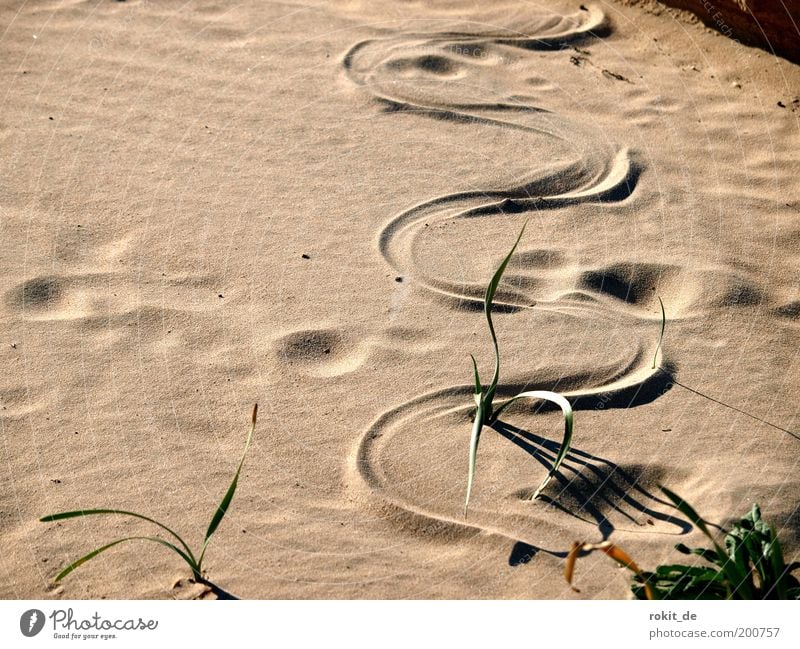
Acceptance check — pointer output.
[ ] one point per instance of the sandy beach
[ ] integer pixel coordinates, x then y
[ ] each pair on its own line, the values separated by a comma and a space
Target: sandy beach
205, 205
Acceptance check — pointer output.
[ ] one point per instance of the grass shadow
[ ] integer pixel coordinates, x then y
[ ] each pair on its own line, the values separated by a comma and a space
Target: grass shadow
591, 488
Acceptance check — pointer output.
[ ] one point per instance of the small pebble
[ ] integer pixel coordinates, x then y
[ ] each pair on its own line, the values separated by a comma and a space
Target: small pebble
305, 256
398, 279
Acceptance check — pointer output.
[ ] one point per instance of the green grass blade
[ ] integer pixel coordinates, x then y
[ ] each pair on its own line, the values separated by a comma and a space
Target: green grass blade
94, 553
94, 512
478, 387
774, 554
566, 409
736, 575
661, 335
484, 401
687, 510
491, 289
475, 437
222, 509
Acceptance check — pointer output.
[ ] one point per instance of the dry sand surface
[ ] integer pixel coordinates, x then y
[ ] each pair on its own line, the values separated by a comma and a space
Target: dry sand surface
208, 204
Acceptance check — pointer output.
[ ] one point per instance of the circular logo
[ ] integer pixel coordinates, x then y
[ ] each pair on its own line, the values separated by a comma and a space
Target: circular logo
31, 622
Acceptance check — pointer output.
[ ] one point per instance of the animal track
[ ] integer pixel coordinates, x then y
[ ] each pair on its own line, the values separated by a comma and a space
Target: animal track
110, 298
790, 310
321, 352
334, 351
632, 283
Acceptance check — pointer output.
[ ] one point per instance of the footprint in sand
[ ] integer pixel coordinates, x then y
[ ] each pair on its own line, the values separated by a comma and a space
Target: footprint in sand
789, 311
111, 298
95, 285
327, 352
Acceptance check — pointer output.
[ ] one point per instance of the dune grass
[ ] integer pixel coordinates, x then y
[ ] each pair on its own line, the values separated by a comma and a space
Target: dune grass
748, 565
487, 414
177, 544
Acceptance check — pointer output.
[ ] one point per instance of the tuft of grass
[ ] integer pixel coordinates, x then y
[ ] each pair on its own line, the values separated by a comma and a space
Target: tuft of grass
487, 414
177, 544
748, 565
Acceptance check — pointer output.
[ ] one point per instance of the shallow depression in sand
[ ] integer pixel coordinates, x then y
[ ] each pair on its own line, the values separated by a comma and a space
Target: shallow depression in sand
321, 352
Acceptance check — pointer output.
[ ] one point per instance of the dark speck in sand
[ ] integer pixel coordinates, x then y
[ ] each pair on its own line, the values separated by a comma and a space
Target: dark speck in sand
220, 295
780, 103
305, 256
50, 118
398, 279
55, 481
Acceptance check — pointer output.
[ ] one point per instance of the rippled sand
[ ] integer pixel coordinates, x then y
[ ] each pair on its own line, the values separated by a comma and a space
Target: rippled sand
301, 204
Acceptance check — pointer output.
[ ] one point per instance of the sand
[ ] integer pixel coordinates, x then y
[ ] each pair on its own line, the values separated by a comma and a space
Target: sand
205, 205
